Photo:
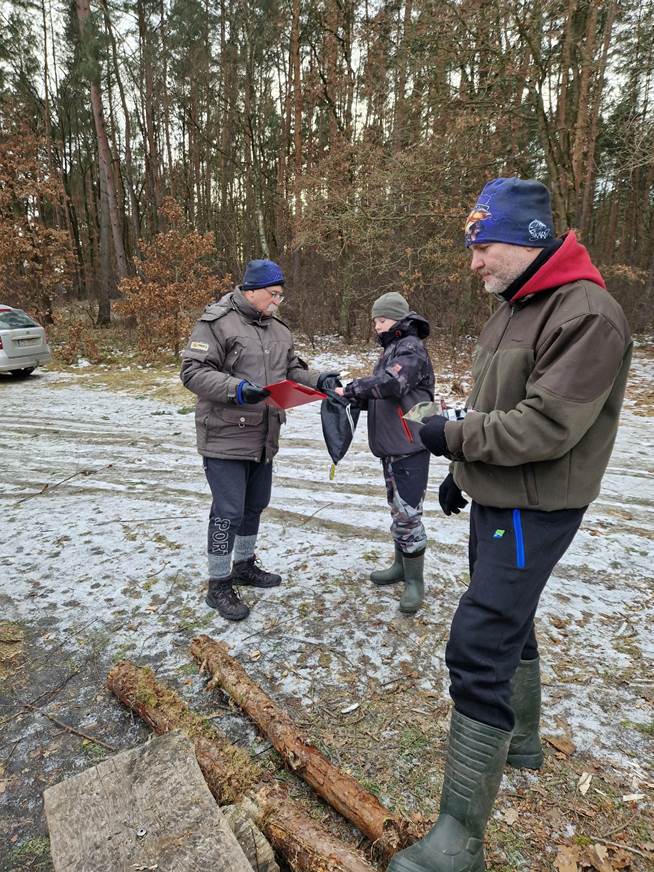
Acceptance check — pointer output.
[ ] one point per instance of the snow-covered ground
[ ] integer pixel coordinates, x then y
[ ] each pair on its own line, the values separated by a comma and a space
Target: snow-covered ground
115, 545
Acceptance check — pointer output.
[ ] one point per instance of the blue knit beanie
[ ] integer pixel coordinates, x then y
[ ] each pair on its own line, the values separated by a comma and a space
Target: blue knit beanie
516, 211
261, 274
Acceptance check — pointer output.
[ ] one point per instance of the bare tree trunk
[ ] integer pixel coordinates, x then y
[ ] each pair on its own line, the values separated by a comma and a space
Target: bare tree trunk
580, 151
400, 120
331, 67
348, 40
565, 183
129, 168
46, 107
296, 71
104, 152
252, 193
596, 105
226, 135
105, 286
649, 284
150, 145
281, 220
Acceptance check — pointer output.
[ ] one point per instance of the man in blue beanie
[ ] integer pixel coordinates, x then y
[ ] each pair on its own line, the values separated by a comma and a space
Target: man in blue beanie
238, 345
549, 376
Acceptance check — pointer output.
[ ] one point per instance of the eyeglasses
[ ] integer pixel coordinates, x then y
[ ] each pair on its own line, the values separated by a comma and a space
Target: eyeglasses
276, 295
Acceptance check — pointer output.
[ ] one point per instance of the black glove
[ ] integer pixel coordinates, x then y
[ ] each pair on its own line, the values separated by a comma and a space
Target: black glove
432, 435
329, 380
450, 496
246, 392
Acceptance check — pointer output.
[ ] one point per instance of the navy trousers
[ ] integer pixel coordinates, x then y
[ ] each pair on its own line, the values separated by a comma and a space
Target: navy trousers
241, 491
512, 554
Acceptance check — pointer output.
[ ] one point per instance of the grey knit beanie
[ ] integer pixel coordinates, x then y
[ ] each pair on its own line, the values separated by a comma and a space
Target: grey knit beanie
390, 305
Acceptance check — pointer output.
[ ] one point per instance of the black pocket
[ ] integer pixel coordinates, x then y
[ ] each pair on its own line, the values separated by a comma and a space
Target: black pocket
529, 477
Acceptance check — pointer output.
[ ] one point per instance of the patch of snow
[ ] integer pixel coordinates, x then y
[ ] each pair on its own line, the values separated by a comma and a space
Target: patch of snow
105, 507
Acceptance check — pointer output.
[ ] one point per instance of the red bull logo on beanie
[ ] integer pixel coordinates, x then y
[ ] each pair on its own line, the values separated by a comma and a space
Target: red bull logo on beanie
478, 214
511, 210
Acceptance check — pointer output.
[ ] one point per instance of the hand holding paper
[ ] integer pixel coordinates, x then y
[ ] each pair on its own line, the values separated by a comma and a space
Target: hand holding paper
286, 394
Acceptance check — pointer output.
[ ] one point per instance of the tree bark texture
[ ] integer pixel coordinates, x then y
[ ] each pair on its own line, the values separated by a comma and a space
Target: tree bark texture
387, 832
231, 775
104, 153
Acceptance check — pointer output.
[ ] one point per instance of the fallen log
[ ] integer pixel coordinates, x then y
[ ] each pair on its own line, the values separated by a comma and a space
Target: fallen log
231, 775
386, 831
228, 770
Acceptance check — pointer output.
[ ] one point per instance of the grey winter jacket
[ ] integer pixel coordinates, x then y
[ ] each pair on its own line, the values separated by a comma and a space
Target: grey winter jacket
231, 342
402, 377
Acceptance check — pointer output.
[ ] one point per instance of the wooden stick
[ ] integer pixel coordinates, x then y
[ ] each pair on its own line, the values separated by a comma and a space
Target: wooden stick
621, 845
70, 729
232, 776
50, 487
387, 832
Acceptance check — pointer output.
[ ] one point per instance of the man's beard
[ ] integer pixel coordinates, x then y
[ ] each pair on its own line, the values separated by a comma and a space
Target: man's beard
497, 284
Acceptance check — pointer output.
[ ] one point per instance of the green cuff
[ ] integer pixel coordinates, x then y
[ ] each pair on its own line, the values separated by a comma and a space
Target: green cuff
454, 439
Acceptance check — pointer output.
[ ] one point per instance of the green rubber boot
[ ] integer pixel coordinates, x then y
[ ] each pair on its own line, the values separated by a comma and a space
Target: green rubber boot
525, 750
393, 574
414, 584
473, 771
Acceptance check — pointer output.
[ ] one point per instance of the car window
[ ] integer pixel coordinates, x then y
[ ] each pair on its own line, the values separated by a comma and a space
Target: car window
14, 319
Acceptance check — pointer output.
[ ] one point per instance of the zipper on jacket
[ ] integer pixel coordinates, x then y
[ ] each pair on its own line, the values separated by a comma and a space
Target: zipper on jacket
405, 426
519, 539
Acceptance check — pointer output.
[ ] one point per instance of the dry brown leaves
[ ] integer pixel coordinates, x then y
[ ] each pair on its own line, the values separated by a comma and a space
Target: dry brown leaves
602, 858
561, 743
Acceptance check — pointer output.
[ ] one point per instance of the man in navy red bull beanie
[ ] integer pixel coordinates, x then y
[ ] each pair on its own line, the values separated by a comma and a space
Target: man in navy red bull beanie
550, 371
515, 211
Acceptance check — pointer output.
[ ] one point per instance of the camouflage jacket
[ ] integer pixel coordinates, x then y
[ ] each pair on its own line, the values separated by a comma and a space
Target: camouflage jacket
402, 377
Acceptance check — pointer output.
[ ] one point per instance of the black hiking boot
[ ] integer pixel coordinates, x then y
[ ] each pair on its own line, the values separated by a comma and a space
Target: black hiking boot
247, 573
222, 597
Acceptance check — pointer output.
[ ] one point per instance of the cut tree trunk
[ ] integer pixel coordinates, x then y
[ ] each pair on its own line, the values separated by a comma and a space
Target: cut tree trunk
231, 775
387, 832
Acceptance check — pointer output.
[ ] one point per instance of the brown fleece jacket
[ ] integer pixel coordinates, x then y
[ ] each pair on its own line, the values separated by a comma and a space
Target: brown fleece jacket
549, 372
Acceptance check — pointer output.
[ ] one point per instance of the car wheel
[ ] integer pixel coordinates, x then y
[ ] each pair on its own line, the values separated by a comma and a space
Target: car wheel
22, 373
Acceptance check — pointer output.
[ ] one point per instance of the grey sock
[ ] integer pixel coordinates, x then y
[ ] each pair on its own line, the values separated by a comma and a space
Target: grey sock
220, 565
244, 547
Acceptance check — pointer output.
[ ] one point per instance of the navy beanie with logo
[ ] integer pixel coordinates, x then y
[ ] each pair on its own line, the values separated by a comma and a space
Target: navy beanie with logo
261, 274
515, 211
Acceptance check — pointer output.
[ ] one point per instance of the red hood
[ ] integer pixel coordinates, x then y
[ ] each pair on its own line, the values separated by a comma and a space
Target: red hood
570, 263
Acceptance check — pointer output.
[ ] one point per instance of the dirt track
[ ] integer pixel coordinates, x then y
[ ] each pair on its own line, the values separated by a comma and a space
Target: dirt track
107, 561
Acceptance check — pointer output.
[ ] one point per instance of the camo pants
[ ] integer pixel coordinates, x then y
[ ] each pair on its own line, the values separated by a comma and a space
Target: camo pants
406, 483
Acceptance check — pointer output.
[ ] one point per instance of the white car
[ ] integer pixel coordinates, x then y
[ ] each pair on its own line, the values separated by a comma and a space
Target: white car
23, 343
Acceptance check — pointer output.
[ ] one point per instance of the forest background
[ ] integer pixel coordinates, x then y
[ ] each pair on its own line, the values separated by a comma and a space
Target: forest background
149, 148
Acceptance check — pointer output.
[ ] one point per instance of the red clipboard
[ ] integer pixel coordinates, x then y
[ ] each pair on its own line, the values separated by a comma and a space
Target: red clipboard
286, 394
